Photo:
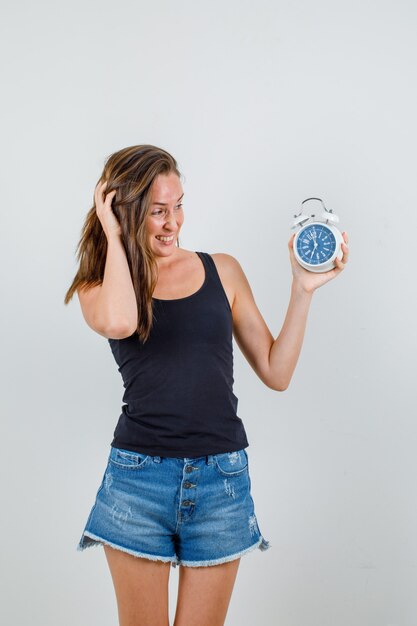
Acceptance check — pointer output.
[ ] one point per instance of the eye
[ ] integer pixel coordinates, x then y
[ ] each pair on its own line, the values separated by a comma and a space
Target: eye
159, 211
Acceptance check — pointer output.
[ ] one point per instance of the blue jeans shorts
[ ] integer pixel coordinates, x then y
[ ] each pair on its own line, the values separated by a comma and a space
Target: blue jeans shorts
188, 511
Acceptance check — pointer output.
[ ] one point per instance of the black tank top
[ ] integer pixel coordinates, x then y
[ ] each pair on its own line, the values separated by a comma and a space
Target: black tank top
179, 399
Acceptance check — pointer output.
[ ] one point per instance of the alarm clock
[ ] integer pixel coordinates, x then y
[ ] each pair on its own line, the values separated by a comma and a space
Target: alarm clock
317, 243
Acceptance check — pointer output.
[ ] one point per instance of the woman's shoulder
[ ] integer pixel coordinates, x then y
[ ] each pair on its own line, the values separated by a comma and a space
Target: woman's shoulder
225, 261
230, 271
231, 274
229, 268
221, 259
226, 269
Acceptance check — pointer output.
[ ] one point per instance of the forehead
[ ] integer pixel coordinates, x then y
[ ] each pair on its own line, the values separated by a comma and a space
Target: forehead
166, 188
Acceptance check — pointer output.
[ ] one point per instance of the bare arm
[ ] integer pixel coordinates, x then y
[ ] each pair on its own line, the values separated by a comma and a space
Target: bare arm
286, 348
111, 308
274, 361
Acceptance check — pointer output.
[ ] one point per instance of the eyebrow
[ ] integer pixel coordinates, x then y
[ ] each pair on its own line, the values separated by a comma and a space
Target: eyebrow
165, 203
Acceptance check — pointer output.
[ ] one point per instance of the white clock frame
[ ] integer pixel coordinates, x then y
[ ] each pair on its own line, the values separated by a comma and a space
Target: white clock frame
303, 221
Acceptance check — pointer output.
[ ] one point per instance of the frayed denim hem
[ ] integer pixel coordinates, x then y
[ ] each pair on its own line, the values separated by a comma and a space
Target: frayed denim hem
94, 540
262, 544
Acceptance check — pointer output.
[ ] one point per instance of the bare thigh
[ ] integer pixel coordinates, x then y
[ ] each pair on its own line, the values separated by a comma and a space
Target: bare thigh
141, 587
204, 594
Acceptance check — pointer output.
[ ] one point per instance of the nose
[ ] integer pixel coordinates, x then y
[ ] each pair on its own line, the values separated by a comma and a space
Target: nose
170, 222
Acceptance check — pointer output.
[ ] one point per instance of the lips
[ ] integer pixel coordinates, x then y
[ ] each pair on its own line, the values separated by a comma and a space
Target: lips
166, 243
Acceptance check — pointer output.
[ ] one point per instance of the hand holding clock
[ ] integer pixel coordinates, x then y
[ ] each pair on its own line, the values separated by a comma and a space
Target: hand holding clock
310, 281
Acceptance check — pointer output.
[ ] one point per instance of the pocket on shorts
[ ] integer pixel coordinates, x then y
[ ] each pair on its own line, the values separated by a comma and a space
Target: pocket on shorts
127, 459
231, 463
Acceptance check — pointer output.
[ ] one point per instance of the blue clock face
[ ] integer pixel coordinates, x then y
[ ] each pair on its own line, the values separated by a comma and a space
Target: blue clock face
316, 244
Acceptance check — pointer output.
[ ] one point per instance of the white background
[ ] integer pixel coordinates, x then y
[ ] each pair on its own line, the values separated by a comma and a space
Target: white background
263, 105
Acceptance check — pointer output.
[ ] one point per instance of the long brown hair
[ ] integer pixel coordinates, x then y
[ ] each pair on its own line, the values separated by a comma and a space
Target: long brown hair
131, 172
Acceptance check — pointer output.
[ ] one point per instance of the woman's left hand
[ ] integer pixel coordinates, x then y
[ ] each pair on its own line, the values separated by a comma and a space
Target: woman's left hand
309, 281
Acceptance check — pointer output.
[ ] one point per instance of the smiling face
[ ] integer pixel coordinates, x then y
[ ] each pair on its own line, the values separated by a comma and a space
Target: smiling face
165, 215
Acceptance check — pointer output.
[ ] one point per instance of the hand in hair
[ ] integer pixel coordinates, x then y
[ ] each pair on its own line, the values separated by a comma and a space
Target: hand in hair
105, 214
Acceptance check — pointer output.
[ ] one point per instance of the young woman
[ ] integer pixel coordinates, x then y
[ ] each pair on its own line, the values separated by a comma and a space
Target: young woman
176, 488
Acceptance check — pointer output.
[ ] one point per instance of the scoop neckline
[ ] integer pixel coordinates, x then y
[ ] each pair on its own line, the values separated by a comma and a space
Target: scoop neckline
192, 294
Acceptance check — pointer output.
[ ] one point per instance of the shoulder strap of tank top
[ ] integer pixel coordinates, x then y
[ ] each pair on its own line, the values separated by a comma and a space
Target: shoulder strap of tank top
211, 268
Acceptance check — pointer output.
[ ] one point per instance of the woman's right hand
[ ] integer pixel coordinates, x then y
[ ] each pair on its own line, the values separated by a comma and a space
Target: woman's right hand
109, 221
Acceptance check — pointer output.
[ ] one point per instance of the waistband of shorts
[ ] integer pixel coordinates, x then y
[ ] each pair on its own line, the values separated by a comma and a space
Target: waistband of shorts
208, 459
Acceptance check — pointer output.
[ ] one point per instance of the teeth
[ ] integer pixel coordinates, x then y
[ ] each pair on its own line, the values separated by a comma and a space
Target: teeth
165, 238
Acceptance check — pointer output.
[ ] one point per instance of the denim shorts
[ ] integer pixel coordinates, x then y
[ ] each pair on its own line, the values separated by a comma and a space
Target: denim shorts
187, 511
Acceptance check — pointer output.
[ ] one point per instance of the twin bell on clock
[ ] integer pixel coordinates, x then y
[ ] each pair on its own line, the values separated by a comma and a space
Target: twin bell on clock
317, 243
